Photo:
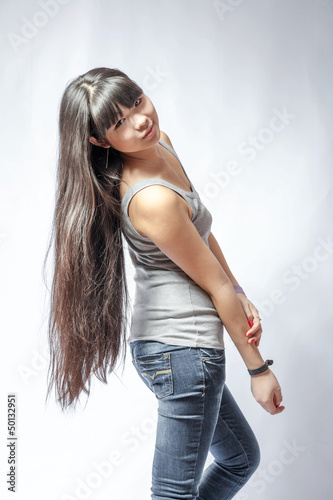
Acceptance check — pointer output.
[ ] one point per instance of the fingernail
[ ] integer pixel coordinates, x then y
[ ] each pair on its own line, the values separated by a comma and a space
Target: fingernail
251, 322
253, 340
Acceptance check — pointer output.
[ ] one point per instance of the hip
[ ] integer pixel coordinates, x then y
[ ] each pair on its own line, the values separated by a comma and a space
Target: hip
169, 370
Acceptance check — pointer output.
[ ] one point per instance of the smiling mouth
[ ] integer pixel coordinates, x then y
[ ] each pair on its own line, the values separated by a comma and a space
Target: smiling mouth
148, 131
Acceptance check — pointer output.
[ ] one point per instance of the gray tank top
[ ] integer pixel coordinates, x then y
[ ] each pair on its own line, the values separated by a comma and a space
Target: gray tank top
169, 306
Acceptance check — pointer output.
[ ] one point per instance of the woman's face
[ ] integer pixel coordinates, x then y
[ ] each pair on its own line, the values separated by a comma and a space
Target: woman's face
128, 134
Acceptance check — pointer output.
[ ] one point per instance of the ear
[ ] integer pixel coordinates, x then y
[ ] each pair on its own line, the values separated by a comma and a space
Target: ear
99, 143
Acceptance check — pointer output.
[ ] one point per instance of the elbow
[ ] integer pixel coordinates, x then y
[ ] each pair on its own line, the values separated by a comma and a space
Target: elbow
223, 287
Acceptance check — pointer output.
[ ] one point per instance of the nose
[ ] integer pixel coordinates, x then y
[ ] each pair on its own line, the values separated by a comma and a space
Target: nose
141, 122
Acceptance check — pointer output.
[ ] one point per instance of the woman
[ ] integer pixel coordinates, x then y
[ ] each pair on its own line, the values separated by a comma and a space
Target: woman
119, 179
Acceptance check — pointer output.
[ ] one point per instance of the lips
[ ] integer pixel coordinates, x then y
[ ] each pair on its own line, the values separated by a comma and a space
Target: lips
148, 131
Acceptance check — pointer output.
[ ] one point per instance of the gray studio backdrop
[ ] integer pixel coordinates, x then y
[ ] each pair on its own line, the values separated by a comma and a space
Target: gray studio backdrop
244, 91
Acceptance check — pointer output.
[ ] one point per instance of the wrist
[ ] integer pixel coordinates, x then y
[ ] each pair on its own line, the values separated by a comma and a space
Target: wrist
266, 372
238, 289
262, 369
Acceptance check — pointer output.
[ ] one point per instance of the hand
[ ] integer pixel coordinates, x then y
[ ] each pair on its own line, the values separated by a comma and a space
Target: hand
252, 315
267, 391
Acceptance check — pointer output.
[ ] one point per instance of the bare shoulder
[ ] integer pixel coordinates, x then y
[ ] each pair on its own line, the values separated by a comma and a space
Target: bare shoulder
155, 206
160, 215
155, 196
166, 139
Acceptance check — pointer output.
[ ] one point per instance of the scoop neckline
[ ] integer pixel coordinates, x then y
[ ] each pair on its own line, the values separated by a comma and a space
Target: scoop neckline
164, 144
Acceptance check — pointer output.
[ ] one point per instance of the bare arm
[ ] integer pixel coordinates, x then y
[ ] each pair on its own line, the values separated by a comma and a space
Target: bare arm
161, 215
215, 248
213, 244
252, 314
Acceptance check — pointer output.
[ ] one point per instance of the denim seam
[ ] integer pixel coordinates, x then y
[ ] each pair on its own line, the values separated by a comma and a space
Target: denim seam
245, 472
203, 400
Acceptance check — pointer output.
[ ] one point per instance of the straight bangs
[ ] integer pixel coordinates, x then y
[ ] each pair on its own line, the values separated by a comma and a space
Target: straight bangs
104, 104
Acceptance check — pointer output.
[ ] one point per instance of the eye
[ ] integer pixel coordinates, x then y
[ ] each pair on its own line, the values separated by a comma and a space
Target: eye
137, 102
119, 123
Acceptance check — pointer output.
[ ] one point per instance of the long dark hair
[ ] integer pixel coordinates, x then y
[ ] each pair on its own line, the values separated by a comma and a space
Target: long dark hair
89, 296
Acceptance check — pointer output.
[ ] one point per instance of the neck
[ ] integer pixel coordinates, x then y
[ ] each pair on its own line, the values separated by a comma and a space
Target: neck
146, 158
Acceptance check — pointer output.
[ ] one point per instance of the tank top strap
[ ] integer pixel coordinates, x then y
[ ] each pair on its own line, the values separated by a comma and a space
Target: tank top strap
169, 148
137, 186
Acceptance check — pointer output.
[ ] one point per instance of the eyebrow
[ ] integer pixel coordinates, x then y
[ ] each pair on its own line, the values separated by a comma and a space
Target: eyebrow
120, 116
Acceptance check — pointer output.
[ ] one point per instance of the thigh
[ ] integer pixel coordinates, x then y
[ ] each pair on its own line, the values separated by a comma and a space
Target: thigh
234, 443
188, 383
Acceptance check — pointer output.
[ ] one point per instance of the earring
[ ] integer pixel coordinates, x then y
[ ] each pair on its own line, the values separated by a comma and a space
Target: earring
107, 158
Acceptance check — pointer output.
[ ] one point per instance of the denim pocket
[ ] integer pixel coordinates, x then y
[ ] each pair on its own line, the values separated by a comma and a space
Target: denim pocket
155, 371
213, 367
211, 354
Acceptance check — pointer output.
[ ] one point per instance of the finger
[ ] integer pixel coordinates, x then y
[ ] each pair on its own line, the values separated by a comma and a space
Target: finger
277, 397
272, 409
254, 311
252, 330
277, 400
254, 327
279, 410
258, 336
252, 340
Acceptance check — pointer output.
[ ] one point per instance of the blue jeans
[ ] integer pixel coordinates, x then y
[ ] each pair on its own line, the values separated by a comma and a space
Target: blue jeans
196, 414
